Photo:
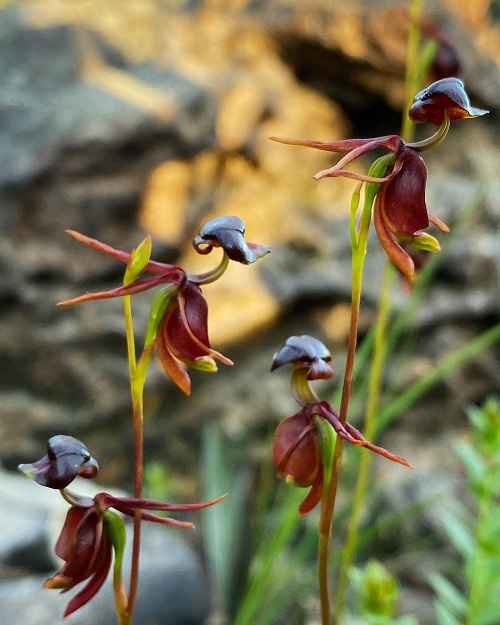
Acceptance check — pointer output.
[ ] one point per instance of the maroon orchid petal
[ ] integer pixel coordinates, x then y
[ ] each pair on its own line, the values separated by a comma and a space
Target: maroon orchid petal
153, 518
445, 95
182, 337
173, 368
180, 342
343, 145
393, 249
78, 545
349, 433
402, 199
359, 439
296, 449
228, 232
138, 286
105, 501
440, 224
393, 143
65, 544
180, 332
314, 495
66, 458
124, 257
400, 212
97, 580
167, 273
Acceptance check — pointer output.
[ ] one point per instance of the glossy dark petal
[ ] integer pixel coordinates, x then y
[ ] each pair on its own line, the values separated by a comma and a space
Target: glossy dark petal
314, 495
86, 549
179, 329
182, 337
447, 94
303, 348
402, 199
296, 449
66, 458
228, 232
173, 368
319, 370
95, 583
393, 249
83, 547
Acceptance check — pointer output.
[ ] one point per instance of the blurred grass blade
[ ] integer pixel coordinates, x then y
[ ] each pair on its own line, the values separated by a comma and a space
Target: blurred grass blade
445, 366
459, 535
269, 573
448, 594
444, 616
224, 523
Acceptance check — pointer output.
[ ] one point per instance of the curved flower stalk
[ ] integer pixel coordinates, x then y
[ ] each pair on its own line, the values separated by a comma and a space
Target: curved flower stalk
93, 532
297, 448
399, 211
178, 323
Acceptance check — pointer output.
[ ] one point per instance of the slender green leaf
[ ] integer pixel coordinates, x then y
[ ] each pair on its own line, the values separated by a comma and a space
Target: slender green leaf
472, 460
448, 594
444, 616
223, 523
445, 366
459, 535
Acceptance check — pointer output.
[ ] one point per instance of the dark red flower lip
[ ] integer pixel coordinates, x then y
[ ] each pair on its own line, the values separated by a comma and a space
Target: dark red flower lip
305, 352
447, 95
228, 232
66, 458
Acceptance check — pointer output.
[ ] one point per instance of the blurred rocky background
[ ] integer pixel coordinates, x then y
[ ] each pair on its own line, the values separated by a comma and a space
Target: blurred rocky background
136, 116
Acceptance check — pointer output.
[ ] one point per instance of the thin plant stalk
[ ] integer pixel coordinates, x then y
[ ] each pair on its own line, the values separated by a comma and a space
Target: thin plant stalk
136, 390
374, 387
359, 242
413, 70
413, 75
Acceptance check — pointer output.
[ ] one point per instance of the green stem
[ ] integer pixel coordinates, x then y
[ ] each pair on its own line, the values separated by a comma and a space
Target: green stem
328, 503
477, 581
359, 242
412, 68
374, 385
136, 390
413, 77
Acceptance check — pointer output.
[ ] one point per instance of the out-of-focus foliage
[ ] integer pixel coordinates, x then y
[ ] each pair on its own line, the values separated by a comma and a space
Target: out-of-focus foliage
472, 597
